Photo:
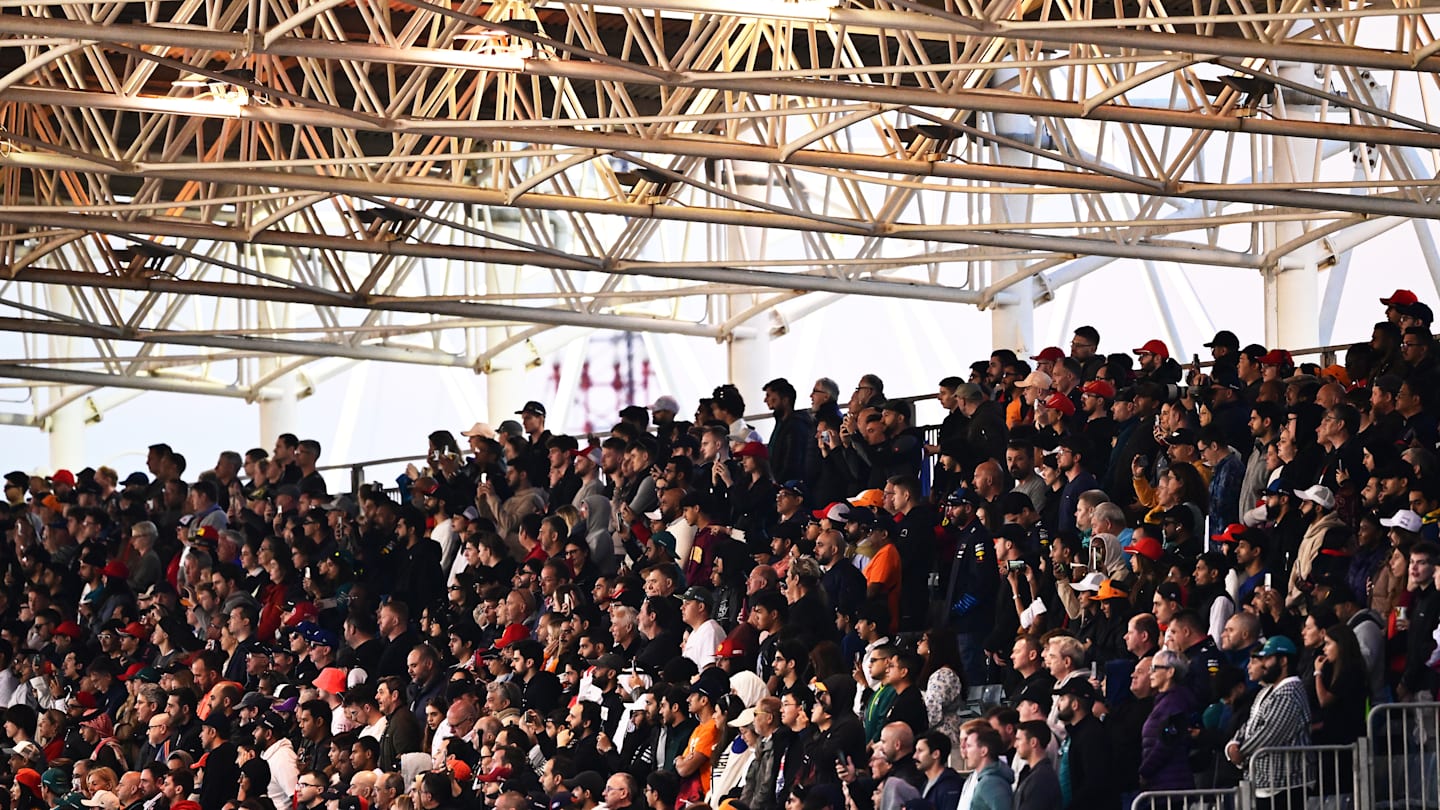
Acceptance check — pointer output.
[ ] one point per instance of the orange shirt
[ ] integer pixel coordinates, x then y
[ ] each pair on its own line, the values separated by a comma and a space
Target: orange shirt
702, 740
884, 570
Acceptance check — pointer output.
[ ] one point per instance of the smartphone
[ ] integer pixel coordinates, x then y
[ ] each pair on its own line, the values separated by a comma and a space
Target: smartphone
1016, 565
1267, 582
1094, 671
484, 478
826, 436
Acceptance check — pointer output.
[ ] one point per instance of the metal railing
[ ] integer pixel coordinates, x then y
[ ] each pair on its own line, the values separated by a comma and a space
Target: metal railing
1395, 766
1235, 798
1405, 738
1324, 355
1315, 777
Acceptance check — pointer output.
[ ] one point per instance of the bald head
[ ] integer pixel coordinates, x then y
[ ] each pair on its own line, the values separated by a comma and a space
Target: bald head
362, 783
129, 787
897, 741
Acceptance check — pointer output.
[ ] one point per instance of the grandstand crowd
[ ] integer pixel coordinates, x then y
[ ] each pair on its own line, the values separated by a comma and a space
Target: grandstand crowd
1102, 574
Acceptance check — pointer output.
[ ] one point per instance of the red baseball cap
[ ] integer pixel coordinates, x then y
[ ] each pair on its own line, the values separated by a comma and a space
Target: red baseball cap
1276, 357
1231, 534
1400, 298
1099, 388
116, 569
69, 629
1155, 347
1147, 547
67, 477
730, 648
1050, 354
1061, 403
755, 449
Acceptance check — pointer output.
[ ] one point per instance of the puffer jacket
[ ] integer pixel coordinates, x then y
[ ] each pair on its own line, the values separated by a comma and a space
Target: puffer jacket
1165, 741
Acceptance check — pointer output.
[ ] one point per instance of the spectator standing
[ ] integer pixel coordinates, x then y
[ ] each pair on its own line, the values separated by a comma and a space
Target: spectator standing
1417, 681
1036, 785
943, 786
988, 787
1085, 781
1279, 716
793, 437
1165, 738
1072, 458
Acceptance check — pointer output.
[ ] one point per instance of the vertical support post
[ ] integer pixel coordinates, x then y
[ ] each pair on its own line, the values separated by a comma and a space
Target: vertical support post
1012, 326
504, 384
66, 425
1292, 286
277, 413
748, 358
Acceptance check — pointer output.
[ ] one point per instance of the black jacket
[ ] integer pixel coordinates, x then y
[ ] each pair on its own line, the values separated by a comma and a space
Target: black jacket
222, 776
985, 436
1092, 785
1039, 788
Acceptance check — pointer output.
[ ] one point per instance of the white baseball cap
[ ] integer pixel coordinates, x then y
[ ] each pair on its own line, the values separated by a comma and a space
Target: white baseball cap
1090, 583
1318, 494
1404, 519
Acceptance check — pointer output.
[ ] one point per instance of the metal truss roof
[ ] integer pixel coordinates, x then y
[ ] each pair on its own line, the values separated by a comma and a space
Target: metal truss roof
193, 189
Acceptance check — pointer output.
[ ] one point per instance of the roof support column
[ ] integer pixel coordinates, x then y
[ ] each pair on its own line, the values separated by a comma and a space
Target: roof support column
66, 425
749, 357
1012, 326
1292, 285
504, 379
278, 411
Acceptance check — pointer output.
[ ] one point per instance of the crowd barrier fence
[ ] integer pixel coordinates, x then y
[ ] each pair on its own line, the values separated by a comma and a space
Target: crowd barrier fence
1235, 798
1405, 741
1396, 766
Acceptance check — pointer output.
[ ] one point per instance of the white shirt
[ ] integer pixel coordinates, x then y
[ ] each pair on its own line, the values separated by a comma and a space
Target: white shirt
703, 641
280, 756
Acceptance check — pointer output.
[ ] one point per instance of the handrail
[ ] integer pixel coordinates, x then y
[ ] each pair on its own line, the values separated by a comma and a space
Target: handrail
357, 468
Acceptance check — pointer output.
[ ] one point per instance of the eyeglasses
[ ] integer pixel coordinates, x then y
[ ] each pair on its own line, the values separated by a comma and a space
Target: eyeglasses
310, 784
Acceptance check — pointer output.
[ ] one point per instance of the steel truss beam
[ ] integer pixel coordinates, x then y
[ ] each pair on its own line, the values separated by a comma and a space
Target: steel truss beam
857, 156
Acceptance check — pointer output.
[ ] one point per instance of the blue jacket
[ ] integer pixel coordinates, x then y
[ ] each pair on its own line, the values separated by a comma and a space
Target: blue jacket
945, 793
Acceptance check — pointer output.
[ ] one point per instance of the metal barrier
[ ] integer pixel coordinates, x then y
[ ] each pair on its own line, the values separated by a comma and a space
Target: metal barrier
1236, 798
1311, 777
1405, 739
